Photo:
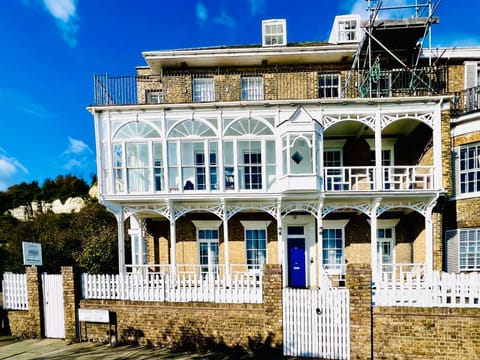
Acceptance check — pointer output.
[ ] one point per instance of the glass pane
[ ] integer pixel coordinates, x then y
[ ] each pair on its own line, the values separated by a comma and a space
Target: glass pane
295, 230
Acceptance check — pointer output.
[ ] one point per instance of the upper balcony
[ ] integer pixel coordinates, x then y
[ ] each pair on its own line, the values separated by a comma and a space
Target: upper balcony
466, 101
268, 84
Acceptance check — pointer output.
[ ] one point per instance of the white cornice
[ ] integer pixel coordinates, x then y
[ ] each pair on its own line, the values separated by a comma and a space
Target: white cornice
249, 56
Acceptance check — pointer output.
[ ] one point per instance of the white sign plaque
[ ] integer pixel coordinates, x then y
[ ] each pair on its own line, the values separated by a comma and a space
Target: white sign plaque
32, 253
93, 315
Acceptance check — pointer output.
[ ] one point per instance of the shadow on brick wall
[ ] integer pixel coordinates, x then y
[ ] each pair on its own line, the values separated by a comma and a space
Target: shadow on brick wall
193, 339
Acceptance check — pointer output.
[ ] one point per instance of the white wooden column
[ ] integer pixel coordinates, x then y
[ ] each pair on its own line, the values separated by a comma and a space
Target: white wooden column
280, 249
437, 150
378, 153
173, 238
121, 242
320, 269
373, 239
225, 240
429, 238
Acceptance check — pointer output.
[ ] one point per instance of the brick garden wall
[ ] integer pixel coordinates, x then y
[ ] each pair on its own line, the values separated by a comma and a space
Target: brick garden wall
200, 325
28, 324
426, 333
408, 332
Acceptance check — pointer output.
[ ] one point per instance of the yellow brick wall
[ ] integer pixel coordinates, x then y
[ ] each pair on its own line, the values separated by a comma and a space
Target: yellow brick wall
456, 78
426, 333
199, 326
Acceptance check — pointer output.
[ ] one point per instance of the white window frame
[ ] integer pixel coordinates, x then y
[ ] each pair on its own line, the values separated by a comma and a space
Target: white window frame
335, 174
255, 225
459, 173
387, 224
208, 225
138, 171
345, 30
472, 74
334, 225
251, 88
333, 77
203, 89
274, 32
457, 250
154, 97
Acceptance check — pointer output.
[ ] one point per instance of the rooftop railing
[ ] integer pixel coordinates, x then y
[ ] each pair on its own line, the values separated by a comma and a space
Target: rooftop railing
274, 84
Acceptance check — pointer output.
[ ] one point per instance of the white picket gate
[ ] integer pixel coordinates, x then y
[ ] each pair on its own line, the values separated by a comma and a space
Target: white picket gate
316, 323
53, 310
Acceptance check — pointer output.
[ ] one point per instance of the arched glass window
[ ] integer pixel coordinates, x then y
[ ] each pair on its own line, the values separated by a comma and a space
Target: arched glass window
191, 128
248, 126
136, 130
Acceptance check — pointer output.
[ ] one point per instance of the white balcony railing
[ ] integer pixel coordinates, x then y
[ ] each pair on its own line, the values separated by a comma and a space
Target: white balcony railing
362, 178
407, 178
349, 178
183, 283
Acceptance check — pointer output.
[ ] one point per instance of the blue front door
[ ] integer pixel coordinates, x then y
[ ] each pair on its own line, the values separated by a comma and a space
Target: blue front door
296, 263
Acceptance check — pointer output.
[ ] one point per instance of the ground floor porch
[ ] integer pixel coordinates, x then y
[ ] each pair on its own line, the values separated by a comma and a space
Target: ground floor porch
230, 240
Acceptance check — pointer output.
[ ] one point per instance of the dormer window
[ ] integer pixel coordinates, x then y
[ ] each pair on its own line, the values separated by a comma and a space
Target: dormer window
346, 29
274, 32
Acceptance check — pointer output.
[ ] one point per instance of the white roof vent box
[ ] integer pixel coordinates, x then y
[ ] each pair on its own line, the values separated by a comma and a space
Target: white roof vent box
345, 30
274, 32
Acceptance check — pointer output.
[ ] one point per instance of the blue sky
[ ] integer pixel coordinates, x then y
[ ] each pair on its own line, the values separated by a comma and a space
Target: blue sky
51, 49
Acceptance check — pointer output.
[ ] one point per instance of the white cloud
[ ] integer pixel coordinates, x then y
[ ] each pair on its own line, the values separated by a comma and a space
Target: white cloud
257, 6
72, 164
9, 167
225, 20
361, 7
21, 101
65, 14
78, 156
63, 10
77, 146
202, 13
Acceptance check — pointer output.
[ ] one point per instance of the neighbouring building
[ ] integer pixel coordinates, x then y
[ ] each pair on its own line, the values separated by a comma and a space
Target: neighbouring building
352, 164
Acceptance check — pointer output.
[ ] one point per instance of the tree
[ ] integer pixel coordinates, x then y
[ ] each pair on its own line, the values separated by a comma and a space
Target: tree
63, 187
86, 240
99, 240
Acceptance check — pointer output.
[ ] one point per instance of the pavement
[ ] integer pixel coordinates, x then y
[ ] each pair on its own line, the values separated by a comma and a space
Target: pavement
38, 349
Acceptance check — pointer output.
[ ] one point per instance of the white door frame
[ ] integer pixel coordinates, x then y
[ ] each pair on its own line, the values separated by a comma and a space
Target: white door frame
308, 222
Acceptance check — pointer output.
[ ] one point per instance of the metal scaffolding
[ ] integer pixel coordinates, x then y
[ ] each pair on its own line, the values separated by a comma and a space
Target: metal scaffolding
389, 42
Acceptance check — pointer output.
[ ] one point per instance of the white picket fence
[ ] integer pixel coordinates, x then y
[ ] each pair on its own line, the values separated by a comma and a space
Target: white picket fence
434, 289
316, 323
178, 287
15, 296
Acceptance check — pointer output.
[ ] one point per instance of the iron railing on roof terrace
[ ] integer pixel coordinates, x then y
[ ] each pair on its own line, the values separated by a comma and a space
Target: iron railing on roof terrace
466, 101
188, 87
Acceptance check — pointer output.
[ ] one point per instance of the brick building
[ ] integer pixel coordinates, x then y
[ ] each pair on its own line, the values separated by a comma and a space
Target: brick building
318, 156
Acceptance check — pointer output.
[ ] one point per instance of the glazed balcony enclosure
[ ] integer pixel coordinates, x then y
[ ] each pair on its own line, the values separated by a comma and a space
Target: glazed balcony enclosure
232, 151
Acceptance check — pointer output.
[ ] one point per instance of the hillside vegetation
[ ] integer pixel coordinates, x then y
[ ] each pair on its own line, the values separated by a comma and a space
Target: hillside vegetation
86, 240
